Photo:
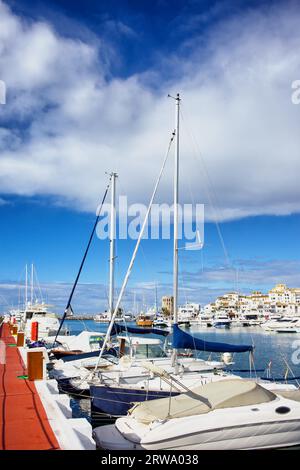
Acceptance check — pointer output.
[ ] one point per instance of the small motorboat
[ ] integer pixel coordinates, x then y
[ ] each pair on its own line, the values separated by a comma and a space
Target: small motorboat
231, 414
144, 320
86, 344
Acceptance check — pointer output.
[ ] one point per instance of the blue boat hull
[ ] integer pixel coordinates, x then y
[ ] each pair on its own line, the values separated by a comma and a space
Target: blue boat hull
114, 401
85, 355
65, 386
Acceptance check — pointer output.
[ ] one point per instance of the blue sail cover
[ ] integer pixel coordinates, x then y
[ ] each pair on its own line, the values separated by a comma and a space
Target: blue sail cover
183, 340
117, 329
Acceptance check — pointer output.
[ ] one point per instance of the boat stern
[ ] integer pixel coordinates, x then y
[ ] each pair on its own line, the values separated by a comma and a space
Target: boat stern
109, 438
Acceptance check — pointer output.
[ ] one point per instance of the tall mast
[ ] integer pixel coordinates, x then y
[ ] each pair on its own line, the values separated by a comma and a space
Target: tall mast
26, 286
175, 223
112, 243
134, 303
31, 285
127, 275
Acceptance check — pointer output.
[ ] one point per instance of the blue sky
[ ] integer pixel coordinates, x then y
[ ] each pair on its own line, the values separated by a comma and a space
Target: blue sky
86, 94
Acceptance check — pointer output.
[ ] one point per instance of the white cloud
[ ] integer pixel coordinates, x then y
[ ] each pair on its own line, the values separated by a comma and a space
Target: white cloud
248, 274
71, 123
199, 286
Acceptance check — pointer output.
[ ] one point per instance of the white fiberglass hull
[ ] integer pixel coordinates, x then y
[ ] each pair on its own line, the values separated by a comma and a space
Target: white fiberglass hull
47, 326
255, 427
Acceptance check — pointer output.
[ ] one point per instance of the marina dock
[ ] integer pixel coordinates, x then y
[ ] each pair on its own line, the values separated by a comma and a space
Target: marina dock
25, 424
33, 415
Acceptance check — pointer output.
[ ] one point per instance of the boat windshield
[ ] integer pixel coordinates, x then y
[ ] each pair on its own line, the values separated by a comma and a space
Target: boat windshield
143, 351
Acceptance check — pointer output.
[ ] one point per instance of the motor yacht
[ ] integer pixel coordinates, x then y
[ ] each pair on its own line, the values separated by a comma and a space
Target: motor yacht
221, 320
283, 325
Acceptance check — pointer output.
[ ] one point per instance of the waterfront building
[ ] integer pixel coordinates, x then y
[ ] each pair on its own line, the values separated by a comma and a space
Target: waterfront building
280, 299
284, 300
167, 304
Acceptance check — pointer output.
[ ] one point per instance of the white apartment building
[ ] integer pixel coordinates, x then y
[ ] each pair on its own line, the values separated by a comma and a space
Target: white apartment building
188, 311
281, 299
285, 300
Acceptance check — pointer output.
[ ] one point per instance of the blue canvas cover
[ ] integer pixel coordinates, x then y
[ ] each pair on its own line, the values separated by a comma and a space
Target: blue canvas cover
117, 329
183, 340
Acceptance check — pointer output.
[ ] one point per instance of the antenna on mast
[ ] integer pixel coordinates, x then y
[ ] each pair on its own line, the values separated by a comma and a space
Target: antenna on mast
31, 285
26, 291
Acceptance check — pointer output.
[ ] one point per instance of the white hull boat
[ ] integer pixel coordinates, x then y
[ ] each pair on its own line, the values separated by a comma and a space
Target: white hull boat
283, 325
222, 321
226, 415
102, 318
128, 375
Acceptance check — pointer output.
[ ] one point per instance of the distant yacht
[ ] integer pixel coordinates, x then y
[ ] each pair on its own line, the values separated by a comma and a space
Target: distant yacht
102, 318
221, 320
35, 310
283, 325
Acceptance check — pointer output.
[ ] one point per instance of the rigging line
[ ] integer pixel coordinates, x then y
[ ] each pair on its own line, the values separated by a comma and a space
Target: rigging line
21, 290
124, 190
182, 281
289, 368
216, 217
130, 267
83, 261
35, 276
143, 253
5, 301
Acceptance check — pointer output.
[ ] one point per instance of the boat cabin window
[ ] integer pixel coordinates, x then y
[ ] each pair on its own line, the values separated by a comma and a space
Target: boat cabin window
148, 351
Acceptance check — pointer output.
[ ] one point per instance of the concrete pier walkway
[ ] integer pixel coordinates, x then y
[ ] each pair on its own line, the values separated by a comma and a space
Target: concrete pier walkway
23, 421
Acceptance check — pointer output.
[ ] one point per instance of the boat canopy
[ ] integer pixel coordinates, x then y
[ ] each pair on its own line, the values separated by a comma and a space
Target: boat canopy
227, 393
81, 342
183, 340
117, 329
139, 340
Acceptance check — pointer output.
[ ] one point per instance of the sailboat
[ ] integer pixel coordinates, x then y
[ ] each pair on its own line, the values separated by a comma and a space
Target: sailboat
112, 393
222, 412
36, 310
83, 349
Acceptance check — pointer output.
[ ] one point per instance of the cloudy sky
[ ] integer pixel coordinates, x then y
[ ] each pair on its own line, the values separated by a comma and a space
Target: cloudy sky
87, 85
